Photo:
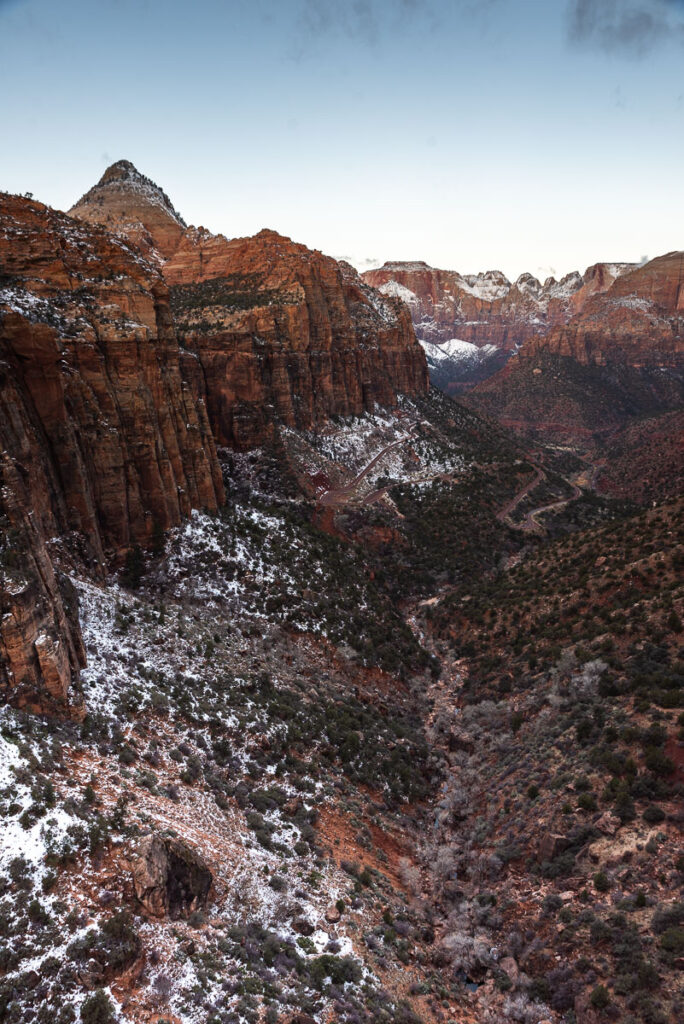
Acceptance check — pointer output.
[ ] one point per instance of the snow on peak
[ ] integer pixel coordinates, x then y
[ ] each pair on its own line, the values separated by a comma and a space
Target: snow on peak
124, 177
458, 351
489, 286
398, 291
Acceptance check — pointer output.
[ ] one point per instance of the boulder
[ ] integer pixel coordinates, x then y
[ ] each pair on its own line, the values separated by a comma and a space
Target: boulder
550, 846
170, 879
608, 824
302, 926
510, 968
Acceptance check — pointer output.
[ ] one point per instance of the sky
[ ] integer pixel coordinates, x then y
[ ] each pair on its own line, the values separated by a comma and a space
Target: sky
519, 135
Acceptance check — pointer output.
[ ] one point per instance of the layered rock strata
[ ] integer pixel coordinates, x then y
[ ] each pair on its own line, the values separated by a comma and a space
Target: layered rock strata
284, 333
488, 309
102, 440
620, 358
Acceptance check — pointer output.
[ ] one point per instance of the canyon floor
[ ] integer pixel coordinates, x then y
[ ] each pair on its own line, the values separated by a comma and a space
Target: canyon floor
403, 719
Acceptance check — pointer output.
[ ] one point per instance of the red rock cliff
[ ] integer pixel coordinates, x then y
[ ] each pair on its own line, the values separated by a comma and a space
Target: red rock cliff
279, 330
487, 309
271, 329
620, 357
101, 438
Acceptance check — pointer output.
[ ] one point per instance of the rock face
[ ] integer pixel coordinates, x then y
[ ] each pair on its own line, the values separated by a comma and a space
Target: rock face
129, 204
272, 330
484, 310
170, 879
620, 357
488, 309
101, 438
281, 331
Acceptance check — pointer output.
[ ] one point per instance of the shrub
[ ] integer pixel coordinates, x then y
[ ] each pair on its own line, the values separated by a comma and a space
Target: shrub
670, 915
97, 1009
134, 568
599, 997
653, 814
601, 881
672, 941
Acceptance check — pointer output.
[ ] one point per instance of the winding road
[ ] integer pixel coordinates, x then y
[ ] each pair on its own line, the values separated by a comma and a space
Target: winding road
343, 495
530, 522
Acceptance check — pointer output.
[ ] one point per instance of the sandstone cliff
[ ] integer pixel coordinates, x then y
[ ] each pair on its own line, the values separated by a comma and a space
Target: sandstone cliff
272, 330
620, 357
102, 441
281, 331
488, 309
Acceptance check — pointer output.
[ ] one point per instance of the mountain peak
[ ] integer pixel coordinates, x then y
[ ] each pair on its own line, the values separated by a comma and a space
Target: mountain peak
132, 205
120, 169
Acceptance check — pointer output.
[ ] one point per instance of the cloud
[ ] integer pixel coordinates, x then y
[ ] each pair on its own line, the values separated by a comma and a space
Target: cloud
632, 27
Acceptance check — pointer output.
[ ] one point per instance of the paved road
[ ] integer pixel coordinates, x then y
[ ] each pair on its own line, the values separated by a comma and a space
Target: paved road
341, 495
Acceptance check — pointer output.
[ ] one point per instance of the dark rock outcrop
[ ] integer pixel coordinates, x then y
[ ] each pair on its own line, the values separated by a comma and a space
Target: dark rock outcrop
169, 878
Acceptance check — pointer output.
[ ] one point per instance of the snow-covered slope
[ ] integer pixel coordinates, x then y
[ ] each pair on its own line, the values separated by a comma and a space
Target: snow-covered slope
455, 364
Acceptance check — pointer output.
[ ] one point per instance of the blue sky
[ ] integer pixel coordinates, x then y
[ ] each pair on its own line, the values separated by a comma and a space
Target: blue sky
538, 135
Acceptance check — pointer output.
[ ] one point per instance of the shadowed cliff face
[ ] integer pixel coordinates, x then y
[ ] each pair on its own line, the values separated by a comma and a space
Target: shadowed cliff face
102, 441
621, 357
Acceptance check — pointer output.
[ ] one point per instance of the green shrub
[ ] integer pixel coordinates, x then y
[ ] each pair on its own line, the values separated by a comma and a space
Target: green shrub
601, 881
600, 997
672, 941
97, 1009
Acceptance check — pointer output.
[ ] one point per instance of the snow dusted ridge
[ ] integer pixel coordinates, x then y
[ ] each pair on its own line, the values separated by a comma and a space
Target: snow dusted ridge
125, 178
458, 362
457, 351
493, 285
399, 291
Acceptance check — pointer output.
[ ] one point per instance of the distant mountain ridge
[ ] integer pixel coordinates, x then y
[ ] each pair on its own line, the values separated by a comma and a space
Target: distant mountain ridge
487, 309
616, 361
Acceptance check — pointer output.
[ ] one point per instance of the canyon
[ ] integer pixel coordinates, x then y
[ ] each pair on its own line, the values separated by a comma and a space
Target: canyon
619, 360
128, 357
485, 310
325, 696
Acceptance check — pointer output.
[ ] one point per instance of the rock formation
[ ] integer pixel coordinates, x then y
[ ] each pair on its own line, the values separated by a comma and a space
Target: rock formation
620, 357
169, 878
102, 441
272, 330
281, 331
129, 204
487, 309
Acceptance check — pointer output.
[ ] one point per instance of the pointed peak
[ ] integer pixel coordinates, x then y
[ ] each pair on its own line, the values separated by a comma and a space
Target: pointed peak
124, 179
121, 171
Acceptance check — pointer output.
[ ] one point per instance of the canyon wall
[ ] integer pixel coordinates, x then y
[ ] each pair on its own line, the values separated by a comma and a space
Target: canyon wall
283, 332
621, 357
102, 440
488, 309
